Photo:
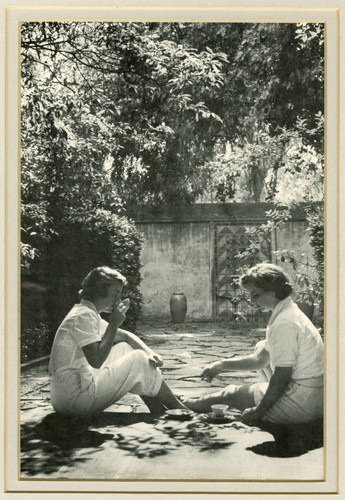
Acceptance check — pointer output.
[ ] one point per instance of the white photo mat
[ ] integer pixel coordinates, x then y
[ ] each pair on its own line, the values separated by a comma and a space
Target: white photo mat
217, 11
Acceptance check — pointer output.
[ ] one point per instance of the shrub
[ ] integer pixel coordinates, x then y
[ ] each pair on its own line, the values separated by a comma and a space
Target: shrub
82, 242
118, 243
34, 342
315, 219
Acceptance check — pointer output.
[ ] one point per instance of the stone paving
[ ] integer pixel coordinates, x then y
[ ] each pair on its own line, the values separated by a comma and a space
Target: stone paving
126, 442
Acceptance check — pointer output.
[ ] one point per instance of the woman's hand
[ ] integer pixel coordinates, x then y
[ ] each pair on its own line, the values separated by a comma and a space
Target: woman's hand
118, 315
155, 359
211, 371
126, 303
250, 416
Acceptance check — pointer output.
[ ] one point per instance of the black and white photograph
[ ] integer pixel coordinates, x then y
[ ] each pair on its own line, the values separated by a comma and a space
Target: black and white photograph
175, 198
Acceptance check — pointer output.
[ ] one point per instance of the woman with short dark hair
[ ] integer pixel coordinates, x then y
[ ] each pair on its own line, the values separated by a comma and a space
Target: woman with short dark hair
93, 363
270, 278
290, 358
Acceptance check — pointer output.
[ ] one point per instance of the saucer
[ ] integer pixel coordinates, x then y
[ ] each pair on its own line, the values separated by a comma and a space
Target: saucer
209, 417
179, 414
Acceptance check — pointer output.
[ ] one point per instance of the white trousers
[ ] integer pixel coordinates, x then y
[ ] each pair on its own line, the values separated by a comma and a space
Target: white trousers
89, 391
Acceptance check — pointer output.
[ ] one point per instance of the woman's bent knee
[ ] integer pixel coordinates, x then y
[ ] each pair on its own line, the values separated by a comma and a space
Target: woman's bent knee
239, 396
122, 347
141, 356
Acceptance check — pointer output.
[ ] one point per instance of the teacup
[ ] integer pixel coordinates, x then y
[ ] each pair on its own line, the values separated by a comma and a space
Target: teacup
219, 410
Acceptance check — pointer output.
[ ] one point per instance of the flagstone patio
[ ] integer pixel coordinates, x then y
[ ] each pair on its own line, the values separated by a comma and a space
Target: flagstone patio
126, 442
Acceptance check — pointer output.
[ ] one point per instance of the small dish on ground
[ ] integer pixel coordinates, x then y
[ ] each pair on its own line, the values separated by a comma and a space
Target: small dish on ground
211, 419
179, 414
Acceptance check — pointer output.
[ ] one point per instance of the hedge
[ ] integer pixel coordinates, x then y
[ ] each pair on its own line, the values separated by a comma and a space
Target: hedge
82, 242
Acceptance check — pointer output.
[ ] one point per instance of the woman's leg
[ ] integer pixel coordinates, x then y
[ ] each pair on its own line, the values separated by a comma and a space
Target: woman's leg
153, 404
168, 399
235, 396
127, 370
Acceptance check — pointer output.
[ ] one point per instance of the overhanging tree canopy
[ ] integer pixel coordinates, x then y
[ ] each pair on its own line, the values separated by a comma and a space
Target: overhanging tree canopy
155, 98
120, 90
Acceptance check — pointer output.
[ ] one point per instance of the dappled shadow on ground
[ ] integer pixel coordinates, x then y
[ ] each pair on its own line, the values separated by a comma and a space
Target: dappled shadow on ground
56, 441
52, 443
120, 419
160, 436
290, 440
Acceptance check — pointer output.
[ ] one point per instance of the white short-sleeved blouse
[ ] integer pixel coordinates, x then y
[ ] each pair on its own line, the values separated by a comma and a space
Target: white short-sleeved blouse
292, 340
82, 326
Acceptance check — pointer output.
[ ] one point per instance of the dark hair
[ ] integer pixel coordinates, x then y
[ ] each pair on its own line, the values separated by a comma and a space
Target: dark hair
98, 281
270, 278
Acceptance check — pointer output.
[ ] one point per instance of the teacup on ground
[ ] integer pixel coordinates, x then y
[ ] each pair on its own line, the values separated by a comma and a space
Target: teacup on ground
219, 410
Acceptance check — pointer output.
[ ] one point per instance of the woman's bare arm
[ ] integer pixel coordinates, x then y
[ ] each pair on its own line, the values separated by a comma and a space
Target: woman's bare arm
97, 352
259, 359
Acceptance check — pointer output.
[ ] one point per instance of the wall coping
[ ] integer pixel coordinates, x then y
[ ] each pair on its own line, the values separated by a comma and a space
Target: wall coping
208, 212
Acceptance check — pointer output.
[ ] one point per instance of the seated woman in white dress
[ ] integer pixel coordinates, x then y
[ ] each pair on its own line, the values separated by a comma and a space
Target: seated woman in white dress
93, 364
290, 359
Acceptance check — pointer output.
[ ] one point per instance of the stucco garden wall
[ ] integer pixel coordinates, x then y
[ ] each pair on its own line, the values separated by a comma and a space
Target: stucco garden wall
176, 258
178, 251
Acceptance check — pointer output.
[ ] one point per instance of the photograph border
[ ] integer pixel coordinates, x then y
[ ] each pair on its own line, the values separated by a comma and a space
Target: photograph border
11, 239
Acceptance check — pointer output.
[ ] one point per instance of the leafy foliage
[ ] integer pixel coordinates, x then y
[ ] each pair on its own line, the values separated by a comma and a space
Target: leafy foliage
307, 275
272, 102
316, 233
118, 89
35, 342
260, 171
274, 75
158, 97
